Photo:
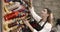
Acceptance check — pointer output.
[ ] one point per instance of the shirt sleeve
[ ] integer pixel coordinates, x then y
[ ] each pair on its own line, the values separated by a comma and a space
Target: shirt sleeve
47, 28
35, 16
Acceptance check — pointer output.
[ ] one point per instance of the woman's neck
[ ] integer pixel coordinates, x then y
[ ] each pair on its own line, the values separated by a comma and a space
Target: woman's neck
44, 19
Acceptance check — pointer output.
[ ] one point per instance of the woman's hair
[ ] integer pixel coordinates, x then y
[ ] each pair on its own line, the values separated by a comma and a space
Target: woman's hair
49, 17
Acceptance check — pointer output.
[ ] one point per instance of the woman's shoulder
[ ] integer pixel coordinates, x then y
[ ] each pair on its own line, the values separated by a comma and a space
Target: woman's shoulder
47, 25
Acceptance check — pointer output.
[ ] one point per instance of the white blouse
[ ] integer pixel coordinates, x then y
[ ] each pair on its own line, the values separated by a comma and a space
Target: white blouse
46, 28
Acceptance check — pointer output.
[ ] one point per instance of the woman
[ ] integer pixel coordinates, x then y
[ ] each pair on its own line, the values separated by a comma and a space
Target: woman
46, 16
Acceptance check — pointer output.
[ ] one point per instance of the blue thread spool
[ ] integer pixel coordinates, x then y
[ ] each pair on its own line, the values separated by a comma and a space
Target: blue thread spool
7, 1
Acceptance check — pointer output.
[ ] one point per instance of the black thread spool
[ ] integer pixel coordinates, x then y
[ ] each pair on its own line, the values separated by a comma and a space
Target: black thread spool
18, 1
12, 24
17, 22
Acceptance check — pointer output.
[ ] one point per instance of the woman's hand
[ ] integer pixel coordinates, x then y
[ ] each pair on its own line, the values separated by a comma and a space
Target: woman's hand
26, 22
31, 8
51, 16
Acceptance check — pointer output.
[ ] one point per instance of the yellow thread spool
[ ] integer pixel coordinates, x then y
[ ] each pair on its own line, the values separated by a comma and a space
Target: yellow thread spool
6, 9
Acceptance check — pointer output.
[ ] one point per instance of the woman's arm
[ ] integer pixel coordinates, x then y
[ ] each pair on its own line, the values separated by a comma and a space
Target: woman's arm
26, 22
35, 16
47, 27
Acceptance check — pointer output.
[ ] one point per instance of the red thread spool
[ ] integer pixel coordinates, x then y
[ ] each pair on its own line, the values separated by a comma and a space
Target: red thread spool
11, 15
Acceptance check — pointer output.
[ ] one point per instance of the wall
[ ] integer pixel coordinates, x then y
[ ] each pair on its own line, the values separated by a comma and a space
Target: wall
53, 5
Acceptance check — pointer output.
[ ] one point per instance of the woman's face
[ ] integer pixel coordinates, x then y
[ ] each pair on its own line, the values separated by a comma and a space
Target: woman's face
44, 13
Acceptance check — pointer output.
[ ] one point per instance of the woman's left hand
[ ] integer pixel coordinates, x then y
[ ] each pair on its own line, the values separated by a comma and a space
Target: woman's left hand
51, 17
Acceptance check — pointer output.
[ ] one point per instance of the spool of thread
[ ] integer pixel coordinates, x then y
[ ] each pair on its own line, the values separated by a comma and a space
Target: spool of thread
12, 24
14, 15
21, 1
11, 15
12, 6
15, 23
11, 2
20, 8
6, 1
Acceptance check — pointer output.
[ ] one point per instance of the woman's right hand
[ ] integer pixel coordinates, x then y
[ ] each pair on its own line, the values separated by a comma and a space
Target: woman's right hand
31, 8
26, 22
